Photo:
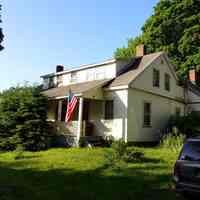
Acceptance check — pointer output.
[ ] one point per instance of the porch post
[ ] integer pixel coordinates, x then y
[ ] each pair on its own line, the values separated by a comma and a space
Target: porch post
59, 110
80, 119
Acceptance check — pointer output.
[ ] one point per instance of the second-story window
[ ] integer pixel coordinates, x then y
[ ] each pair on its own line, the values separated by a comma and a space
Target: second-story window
167, 82
74, 77
51, 82
90, 74
45, 83
59, 80
156, 78
99, 75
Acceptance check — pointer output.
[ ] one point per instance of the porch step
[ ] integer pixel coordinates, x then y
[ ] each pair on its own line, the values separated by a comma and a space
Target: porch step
96, 141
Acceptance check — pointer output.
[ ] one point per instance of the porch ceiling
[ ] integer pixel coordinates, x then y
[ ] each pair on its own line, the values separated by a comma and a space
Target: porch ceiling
90, 89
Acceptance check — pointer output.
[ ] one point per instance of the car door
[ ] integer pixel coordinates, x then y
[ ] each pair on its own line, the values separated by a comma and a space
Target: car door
189, 163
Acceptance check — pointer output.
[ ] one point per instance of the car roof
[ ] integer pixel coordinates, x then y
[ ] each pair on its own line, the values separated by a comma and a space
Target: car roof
195, 139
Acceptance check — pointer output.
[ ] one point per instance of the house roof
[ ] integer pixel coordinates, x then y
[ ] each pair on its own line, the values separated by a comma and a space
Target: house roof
135, 67
128, 74
81, 67
78, 88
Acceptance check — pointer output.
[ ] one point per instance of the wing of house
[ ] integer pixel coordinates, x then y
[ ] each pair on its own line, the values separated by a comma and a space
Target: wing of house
133, 100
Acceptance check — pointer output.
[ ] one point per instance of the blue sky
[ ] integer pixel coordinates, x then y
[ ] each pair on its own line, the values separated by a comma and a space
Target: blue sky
39, 34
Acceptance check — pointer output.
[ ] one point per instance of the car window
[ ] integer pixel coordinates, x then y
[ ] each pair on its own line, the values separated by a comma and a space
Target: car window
191, 151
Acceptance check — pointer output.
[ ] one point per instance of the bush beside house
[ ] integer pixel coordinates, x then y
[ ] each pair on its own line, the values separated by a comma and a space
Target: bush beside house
189, 125
23, 114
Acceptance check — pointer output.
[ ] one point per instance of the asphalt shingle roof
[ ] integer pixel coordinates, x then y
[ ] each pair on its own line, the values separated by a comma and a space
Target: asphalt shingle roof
128, 73
133, 69
77, 88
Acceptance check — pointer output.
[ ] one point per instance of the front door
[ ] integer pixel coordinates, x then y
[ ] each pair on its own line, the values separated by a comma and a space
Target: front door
88, 125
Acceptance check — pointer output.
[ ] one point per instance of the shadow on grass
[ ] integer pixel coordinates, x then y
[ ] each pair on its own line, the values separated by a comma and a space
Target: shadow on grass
147, 160
69, 184
150, 160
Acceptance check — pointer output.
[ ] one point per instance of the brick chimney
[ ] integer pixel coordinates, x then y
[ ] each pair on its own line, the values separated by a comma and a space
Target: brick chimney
193, 75
59, 68
140, 51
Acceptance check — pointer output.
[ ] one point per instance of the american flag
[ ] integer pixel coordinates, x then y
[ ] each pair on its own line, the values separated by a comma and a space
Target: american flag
72, 101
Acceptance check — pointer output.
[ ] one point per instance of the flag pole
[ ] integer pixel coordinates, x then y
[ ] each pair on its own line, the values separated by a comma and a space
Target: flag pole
80, 119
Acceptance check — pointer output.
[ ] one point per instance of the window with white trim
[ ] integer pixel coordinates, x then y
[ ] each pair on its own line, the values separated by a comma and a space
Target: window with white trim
51, 82
59, 80
74, 77
147, 114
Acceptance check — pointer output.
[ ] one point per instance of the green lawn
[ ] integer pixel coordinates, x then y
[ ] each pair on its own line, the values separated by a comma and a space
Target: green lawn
61, 174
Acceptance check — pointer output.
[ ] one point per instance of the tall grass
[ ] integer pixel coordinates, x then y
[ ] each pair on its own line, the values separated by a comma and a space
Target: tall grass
173, 141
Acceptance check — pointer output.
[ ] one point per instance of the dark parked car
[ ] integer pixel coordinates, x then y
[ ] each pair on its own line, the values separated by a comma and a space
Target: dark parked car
187, 169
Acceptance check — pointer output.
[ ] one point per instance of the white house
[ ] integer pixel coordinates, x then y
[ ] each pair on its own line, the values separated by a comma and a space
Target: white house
133, 100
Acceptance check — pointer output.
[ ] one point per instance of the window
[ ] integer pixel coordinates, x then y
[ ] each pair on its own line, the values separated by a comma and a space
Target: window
45, 83
74, 77
191, 151
90, 74
167, 82
99, 75
51, 82
156, 78
147, 114
109, 109
59, 80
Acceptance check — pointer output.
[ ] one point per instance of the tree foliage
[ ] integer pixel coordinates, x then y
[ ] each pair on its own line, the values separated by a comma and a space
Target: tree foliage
189, 124
23, 113
1, 32
175, 28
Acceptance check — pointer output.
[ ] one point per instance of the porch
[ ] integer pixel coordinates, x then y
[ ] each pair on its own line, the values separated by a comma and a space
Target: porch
93, 115
96, 117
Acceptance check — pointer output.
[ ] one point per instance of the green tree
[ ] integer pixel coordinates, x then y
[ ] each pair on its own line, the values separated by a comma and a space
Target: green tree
175, 28
129, 51
23, 113
1, 33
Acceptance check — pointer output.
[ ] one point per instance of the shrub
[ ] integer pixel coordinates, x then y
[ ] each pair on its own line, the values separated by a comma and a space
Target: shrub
23, 113
115, 157
19, 153
188, 125
120, 154
108, 140
119, 148
173, 141
134, 156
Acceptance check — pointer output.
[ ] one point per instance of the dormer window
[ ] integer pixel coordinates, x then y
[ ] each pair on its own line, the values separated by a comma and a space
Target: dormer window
51, 82
59, 80
156, 78
74, 77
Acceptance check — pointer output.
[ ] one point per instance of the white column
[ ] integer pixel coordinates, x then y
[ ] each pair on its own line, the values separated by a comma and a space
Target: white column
80, 119
59, 110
